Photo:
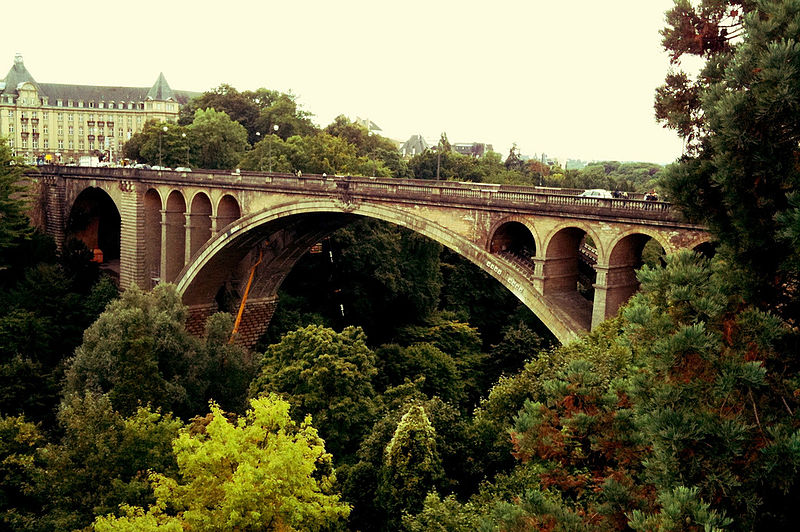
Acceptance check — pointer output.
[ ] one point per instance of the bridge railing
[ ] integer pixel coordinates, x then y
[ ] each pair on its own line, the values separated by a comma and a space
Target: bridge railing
546, 198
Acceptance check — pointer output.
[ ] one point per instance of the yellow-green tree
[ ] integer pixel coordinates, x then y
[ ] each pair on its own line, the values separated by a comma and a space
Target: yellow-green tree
260, 472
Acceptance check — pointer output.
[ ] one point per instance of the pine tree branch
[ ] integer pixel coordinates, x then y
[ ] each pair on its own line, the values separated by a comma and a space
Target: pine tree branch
787, 406
755, 410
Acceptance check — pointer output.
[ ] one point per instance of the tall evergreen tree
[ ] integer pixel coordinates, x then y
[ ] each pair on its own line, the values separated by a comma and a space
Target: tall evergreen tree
741, 177
14, 222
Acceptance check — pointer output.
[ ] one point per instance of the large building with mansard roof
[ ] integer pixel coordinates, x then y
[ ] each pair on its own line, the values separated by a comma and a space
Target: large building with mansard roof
54, 122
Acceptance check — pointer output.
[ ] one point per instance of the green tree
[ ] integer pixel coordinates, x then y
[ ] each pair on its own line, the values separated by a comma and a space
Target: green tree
159, 143
412, 466
225, 99
369, 144
20, 467
325, 374
715, 397
280, 109
388, 276
14, 222
138, 352
216, 141
260, 472
742, 176
102, 460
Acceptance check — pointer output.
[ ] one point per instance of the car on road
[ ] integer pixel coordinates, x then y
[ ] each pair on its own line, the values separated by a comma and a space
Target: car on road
183, 169
596, 193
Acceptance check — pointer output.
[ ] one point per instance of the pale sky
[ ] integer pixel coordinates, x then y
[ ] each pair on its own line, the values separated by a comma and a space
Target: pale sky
572, 78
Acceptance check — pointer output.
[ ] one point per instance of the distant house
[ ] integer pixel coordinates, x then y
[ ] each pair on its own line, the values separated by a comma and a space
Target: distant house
414, 146
367, 123
474, 149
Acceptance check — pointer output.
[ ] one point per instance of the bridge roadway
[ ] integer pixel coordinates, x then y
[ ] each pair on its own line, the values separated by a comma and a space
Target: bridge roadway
204, 231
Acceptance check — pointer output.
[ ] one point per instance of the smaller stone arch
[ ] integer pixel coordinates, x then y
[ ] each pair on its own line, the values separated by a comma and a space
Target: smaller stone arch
514, 240
228, 210
616, 274
153, 207
707, 248
199, 222
568, 259
94, 219
174, 253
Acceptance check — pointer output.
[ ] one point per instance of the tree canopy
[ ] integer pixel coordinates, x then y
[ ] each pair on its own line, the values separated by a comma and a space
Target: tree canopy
260, 472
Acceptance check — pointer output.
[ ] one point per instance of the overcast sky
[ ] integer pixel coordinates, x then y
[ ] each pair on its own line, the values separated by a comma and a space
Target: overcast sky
572, 78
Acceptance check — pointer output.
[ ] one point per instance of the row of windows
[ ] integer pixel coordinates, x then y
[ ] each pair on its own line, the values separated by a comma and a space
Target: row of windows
71, 144
71, 130
100, 105
71, 117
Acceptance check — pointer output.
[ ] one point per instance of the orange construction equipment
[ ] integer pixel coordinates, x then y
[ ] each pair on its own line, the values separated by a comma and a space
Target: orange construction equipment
244, 297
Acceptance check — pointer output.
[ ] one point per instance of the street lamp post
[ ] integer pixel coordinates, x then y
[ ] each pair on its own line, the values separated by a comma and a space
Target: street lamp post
164, 129
260, 164
183, 136
274, 128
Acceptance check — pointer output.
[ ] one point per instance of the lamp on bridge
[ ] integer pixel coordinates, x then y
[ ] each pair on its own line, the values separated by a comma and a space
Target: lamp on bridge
258, 139
274, 128
164, 129
183, 136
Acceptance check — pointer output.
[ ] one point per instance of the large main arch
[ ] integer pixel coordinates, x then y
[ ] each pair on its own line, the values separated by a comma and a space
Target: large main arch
278, 236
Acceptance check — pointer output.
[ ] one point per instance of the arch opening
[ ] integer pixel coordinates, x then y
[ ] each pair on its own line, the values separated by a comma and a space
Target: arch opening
706, 249
152, 231
228, 210
628, 255
569, 267
515, 242
199, 222
95, 221
175, 229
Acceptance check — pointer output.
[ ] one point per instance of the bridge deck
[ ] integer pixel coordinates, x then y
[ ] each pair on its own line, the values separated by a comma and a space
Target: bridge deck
471, 195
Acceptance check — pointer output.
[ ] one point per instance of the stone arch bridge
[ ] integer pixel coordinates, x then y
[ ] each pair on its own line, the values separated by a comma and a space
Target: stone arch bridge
207, 229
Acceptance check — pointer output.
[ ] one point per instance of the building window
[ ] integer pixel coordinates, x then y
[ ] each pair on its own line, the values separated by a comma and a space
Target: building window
80, 145
11, 114
46, 144
80, 131
33, 115
35, 144
80, 103
45, 115
60, 117
71, 130
91, 104
70, 117
10, 143
60, 130
60, 144
72, 144
45, 129
24, 143
69, 103
10, 128
101, 105
60, 103
91, 144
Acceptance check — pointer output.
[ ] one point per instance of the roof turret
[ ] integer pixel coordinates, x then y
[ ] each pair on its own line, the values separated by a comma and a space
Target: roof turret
161, 90
16, 76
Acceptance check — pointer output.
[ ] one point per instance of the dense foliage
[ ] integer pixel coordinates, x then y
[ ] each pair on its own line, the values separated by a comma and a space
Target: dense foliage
400, 387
